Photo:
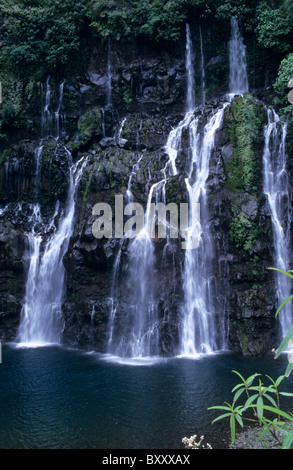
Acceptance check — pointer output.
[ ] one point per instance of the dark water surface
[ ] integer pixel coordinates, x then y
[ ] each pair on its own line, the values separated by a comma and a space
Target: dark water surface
51, 397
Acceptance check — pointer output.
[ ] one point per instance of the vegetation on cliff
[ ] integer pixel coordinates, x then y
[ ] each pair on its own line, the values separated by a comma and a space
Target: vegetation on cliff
55, 37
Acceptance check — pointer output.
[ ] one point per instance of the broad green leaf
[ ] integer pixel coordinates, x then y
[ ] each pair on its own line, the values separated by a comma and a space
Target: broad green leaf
277, 382
284, 272
283, 303
236, 387
268, 397
239, 409
242, 378
238, 393
255, 387
271, 389
220, 407
289, 369
286, 394
239, 419
250, 379
225, 415
284, 343
250, 400
272, 380
278, 412
259, 407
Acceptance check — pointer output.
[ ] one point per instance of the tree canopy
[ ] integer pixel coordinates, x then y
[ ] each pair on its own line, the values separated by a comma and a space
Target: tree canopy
41, 37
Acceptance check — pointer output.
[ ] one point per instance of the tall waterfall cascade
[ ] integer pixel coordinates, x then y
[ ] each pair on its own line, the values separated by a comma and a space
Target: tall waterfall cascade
52, 120
189, 71
140, 336
276, 187
41, 316
237, 58
199, 332
202, 68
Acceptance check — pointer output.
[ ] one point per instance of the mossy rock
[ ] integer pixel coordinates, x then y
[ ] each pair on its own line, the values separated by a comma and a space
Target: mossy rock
245, 120
89, 126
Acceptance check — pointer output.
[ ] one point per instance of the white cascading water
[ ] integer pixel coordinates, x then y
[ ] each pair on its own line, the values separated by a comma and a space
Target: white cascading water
203, 84
238, 83
141, 338
137, 337
38, 157
48, 116
198, 286
59, 109
276, 187
199, 333
46, 111
135, 169
190, 98
41, 316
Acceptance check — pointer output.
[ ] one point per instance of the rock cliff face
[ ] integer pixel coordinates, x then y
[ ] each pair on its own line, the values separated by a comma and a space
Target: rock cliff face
115, 128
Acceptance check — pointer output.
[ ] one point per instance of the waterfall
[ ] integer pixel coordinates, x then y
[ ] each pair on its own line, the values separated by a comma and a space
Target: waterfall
46, 111
103, 122
119, 139
237, 57
139, 336
199, 333
203, 86
135, 169
276, 187
47, 115
38, 157
109, 74
41, 315
189, 71
59, 108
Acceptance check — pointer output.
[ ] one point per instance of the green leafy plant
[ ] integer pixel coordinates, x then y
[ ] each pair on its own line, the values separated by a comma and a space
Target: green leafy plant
280, 86
257, 398
288, 339
233, 413
263, 400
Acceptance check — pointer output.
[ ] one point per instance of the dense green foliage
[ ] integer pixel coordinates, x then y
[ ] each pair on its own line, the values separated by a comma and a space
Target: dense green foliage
53, 35
246, 121
56, 37
281, 85
274, 25
42, 38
